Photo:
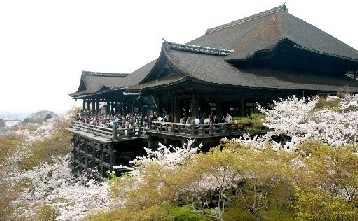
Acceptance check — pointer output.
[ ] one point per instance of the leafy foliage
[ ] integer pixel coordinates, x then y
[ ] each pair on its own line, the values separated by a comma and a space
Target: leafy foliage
327, 185
47, 149
254, 123
2, 123
308, 174
332, 103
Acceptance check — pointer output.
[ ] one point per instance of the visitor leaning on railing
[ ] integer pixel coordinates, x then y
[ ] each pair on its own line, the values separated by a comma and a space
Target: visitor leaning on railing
108, 120
135, 123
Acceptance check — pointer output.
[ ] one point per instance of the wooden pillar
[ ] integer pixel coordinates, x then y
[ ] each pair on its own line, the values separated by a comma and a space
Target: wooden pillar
125, 106
111, 107
102, 160
114, 132
158, 101
122, 106
86, 154
149, 143
93, 106
176, 110
97, 105
111, 157
115, 107
195, 107
94, 156
186, 107
218, 108
172, 107
192, 127
88, 105
83, 104
108, 107
242, 106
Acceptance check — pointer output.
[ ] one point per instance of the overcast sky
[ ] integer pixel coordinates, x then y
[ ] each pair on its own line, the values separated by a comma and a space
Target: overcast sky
45, 44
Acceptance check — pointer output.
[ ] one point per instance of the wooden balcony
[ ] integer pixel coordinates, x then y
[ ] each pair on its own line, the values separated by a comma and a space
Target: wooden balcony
194, 131
158, 129
106, 134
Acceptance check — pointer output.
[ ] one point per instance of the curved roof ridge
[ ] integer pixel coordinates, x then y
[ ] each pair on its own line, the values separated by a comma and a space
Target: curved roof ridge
281, 8
197, 49
104, 74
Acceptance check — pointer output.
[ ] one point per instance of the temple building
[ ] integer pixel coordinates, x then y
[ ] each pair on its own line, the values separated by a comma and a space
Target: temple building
265, 56
229, 69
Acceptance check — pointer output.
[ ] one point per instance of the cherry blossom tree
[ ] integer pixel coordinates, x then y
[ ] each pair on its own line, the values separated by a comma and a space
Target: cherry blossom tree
298, 120
50, 184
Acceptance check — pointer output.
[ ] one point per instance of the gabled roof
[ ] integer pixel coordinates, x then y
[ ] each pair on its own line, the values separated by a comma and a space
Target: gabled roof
212, 68
92, 82
163, 67
211, 58
264, 30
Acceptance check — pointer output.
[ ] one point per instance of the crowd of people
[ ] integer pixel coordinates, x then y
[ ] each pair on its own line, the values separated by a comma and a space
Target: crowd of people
121, 120
110, 120
209, 119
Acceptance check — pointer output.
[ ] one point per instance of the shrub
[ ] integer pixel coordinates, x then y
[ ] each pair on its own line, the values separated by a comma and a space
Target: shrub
254, 123
45, 150
46, 213
186, 213
331, 103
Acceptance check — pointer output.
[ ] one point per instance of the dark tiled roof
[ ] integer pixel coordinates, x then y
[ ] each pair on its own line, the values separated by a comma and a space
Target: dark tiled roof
139, 74
206, 58
95, 82
214, 69
92, 82
264, 30
162, 82
250, 18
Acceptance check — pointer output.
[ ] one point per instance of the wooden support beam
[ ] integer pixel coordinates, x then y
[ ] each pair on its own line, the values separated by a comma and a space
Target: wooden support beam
195, 107
176, 110
93, 106
108, 107
218, 108
93, 155
86, 152
88, 105
111, 157
102, 171
114, 132
242, 106
97, 105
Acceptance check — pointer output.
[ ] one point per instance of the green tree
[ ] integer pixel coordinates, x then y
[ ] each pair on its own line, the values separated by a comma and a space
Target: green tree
2, 123
327, 183
9, 144
215, 184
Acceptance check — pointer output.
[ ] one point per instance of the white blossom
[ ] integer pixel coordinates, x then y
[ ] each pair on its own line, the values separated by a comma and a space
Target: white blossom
52, 184
297, 119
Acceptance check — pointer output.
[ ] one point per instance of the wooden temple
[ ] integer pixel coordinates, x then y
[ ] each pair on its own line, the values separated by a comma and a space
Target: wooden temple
229, 69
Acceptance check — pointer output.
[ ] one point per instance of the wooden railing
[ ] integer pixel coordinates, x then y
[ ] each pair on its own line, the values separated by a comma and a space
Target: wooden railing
114, 133
159, 127
196, 130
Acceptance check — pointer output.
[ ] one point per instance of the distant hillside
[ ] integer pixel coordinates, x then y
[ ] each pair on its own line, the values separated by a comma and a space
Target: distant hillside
39, 116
